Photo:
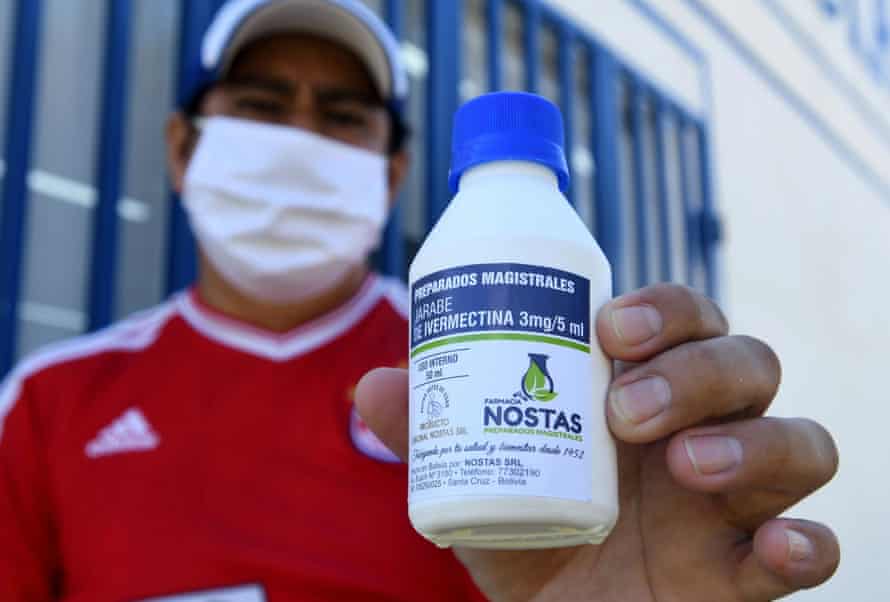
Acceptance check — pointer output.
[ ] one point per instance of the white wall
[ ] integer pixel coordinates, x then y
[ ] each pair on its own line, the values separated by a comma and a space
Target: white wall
802, 180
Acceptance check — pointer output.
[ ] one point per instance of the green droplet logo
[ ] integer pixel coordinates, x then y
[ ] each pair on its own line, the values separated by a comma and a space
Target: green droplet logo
537, 383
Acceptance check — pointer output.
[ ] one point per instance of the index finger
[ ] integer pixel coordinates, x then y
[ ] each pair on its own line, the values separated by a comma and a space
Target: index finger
642, 324
381, 399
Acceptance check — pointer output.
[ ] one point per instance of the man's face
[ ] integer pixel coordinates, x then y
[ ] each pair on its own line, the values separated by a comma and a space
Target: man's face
301, 81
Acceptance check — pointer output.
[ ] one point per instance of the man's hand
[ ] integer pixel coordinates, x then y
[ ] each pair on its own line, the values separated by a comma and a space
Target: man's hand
703, 475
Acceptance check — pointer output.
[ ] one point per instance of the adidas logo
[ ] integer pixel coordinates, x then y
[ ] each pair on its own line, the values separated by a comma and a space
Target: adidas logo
130, 432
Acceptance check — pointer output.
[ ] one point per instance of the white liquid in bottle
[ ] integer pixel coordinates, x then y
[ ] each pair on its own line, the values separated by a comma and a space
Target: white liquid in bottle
509, 443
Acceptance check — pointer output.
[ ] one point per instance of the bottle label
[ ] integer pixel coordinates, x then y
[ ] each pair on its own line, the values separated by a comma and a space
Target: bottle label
502, 396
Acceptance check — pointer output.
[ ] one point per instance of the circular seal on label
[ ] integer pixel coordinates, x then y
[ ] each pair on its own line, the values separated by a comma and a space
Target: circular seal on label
434, 402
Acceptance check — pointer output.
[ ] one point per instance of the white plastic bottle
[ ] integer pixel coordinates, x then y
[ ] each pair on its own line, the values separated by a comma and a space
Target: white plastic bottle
509, 443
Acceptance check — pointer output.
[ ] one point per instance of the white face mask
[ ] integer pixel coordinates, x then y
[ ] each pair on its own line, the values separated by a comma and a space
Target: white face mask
282, 213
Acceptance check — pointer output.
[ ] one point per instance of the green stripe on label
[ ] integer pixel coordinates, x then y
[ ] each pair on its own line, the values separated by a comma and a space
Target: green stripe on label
499, 336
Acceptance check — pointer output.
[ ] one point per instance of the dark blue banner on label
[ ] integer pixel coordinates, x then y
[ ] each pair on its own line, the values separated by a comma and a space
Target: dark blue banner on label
500, 297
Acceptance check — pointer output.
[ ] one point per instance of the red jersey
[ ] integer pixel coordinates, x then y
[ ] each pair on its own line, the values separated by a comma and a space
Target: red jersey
184, 456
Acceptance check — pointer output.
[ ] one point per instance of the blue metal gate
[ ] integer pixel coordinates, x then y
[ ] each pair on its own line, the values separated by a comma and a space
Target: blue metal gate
648, 198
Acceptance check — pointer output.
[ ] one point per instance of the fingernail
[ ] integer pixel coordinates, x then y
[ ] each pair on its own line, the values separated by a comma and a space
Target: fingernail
800, 547
713, 454
641, 400
636, 325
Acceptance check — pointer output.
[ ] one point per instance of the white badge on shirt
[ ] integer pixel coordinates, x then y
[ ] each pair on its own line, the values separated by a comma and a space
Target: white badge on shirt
245, 593
367, 442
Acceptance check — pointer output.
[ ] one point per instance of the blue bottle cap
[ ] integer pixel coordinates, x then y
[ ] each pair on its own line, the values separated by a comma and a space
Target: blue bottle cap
508, 126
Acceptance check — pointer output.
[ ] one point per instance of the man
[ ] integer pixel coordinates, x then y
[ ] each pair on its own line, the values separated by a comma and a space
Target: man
210, 449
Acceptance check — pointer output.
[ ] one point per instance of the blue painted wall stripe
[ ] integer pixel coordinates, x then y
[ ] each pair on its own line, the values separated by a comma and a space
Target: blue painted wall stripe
694, 244
567, 96
443, 41
17, 150
641, 185
853, 27
393, 250
883, 33
664, 217
679, 39
495, 28
531, 35
609, 214
710, 236
103, 271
